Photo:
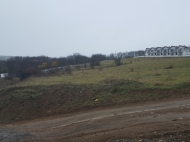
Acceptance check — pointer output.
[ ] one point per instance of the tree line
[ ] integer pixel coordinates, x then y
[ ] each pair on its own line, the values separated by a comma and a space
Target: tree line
23, 67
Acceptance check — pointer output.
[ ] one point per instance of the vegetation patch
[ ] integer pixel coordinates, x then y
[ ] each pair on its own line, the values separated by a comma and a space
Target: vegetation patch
77, 88
169, 67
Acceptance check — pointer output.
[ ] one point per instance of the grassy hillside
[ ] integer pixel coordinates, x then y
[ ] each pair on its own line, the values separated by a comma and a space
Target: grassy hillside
152, 71
140, 79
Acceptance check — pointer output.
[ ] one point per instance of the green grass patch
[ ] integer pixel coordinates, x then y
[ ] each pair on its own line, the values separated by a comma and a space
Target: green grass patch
152, 71
140, 79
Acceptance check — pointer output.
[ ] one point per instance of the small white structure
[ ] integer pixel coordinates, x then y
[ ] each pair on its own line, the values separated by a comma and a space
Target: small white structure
3, 75
168, 51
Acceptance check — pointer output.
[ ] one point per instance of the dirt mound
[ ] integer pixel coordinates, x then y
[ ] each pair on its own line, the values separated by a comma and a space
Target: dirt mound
30, 102
158, 121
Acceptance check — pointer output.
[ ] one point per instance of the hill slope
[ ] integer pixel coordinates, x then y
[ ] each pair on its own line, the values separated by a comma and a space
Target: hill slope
137, 80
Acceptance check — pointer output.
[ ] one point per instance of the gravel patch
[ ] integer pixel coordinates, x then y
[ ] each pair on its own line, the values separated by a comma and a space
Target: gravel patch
8, 136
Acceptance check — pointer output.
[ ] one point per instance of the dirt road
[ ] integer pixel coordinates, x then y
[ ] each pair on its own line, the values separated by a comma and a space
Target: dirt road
167, 120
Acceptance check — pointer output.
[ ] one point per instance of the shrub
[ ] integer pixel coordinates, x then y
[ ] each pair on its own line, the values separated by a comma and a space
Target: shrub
100, 68
156, 74
27, 72
169, 67
131, 69
92, 65
84, 65
68, 70
9, 77
97, 63
77, 67
117, 61
53, 71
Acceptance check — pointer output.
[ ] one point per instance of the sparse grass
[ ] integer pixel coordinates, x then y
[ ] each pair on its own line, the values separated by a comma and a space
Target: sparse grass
26, 94
169, 67
145, 70
25, 91
135, 80
20, 93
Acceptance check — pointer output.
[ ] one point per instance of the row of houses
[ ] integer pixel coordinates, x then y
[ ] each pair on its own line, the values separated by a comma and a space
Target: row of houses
168, 51
180, 50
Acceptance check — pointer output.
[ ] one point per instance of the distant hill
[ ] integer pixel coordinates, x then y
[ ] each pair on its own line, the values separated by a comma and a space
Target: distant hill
4, 58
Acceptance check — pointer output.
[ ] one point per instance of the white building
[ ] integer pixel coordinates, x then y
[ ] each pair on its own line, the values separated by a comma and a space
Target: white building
3, 75
168, 51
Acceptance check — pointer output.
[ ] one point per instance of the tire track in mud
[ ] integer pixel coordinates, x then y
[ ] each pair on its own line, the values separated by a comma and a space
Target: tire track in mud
49, 127
124, 113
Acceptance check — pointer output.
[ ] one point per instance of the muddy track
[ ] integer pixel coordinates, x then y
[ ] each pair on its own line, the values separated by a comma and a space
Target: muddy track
153, 121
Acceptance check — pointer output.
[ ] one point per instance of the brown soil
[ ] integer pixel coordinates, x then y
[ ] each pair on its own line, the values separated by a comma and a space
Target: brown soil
31, 102
166, 120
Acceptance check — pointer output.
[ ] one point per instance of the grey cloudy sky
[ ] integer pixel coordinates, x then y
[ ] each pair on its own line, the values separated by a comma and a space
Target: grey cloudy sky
60, 27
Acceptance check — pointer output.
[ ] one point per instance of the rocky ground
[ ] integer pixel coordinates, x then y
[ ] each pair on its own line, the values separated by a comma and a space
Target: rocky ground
11, 136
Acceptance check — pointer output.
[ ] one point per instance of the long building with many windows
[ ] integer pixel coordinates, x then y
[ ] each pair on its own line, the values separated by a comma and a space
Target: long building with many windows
168, 51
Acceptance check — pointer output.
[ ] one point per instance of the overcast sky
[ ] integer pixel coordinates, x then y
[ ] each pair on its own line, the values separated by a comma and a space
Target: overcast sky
62, 27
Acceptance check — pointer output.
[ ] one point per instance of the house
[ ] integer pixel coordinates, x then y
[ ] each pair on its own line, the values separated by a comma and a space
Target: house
186, 51
173, 50
158, 51
168, 51
147, 52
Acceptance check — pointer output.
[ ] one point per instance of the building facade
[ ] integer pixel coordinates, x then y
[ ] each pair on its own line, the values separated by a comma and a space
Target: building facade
168, 51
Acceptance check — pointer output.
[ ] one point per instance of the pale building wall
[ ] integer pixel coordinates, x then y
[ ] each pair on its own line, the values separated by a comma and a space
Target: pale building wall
186, 51
167, 51
3, 75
